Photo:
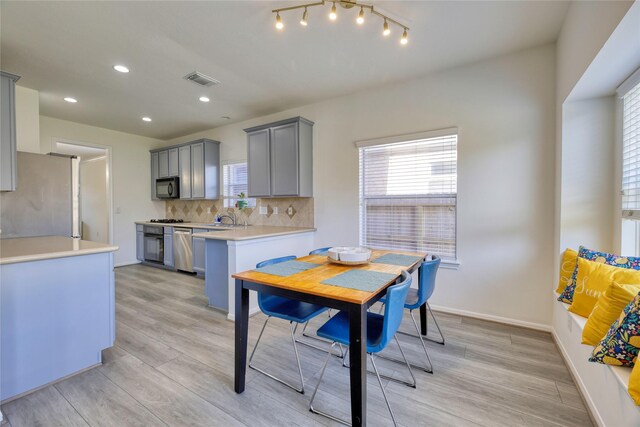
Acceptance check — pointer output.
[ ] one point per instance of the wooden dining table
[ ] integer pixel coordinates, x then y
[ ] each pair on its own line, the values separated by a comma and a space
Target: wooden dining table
306, 286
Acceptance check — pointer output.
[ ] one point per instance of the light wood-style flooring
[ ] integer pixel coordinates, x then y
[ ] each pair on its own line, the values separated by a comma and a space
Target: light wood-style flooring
173, 365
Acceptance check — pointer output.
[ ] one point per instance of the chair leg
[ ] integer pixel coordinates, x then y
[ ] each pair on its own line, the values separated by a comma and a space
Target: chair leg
424, 347
437, 326
313, 396
405, 360
395, 380
308, 344
299, 390
382, 388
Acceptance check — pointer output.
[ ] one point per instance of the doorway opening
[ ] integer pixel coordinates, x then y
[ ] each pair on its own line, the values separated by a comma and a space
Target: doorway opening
92, 193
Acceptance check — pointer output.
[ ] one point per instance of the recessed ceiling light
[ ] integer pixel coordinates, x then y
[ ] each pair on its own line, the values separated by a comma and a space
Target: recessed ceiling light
225, 117
71, 100
121, 68
204, 99
146, 119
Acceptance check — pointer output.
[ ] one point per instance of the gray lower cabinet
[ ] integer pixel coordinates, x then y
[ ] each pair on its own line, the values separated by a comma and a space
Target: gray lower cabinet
154, 175
280, 159
139, 243
8, 161
168, 247
198, 244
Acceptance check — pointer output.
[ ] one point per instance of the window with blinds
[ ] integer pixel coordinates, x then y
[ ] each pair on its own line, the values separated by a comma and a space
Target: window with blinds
234, 182
408, 195
631, 153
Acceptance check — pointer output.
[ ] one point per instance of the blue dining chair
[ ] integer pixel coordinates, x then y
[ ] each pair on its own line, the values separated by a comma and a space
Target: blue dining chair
416, 297
287, 309
381, 329
319, 250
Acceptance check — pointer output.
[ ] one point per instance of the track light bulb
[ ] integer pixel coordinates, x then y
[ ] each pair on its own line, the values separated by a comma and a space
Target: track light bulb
385, 28
279, 24
360, 19
303, 21
405, 38
334, 14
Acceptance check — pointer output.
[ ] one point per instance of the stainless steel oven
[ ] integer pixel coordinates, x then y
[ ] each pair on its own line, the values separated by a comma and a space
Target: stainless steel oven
153, 243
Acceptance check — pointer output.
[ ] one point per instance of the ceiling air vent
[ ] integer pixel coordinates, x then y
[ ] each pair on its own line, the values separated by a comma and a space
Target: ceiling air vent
201, 79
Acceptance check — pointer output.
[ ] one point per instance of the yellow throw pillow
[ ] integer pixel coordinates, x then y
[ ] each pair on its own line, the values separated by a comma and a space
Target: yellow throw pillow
568, 264
634, 384
607, 310
593, 280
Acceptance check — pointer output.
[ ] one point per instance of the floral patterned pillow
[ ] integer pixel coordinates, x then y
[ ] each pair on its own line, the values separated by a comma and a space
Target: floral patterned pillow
595, 256
620, 345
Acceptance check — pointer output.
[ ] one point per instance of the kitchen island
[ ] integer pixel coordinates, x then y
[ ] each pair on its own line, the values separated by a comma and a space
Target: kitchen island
229, 251
57, 310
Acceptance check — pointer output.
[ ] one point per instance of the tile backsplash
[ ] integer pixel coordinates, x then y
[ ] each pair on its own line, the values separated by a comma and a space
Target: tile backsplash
301, 212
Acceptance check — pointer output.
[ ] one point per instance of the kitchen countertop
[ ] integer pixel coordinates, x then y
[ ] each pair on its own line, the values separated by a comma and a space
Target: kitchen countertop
25, 249
251, 232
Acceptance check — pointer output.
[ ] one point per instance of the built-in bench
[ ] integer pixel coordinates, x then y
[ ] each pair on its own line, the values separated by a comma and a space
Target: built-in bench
603, 387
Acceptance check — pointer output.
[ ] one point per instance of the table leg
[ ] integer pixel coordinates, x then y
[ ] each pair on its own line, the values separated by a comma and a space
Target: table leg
242, 328
358, 361
423, 319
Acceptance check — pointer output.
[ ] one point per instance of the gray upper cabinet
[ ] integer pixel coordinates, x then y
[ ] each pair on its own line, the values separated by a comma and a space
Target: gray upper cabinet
197, 171
8, 161
280, 159
154, 175
173, 162
195, 163
258, 160
163, 164
185, 172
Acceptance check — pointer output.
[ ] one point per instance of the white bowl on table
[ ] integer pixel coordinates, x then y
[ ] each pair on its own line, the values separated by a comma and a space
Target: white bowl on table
349, 254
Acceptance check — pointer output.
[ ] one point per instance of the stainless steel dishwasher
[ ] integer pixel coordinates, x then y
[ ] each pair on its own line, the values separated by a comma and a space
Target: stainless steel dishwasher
182, 249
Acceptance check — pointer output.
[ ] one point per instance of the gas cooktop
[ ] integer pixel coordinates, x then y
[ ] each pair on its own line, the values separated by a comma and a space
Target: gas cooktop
168, 221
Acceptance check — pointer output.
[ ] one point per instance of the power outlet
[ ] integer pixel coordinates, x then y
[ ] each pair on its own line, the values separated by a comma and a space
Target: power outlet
569, 323
209, 209
275, 210
263, 210
290, 210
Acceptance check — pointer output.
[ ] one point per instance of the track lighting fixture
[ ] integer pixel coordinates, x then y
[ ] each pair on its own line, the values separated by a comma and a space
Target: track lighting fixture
333, 15
385, 28
360, 19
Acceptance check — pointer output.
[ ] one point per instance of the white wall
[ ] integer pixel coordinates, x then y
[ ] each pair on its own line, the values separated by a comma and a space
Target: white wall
94, 206
588, 174
131, 171
27, 120
504, 110
587, 27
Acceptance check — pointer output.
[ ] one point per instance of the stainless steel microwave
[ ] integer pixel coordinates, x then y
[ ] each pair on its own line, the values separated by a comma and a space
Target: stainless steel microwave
167, 188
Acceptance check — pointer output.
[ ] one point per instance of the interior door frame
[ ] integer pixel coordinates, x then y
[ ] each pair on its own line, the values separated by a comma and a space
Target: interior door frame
109, 157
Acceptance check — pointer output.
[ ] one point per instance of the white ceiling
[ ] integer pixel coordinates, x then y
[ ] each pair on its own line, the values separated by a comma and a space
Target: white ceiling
68, 49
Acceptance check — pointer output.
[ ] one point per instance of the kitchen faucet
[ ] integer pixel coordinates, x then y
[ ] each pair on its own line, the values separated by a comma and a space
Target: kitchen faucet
231, 216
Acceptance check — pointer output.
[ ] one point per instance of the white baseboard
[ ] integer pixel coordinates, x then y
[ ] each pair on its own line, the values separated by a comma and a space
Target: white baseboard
492, 318
252, 312
125, 263
593, 411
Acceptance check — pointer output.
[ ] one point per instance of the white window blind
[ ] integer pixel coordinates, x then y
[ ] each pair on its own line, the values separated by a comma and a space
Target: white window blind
631, 153
234, 179
408, 195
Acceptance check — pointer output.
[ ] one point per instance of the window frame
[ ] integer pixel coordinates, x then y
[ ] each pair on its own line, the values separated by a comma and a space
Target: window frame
629, 225
251, 202
449, 263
